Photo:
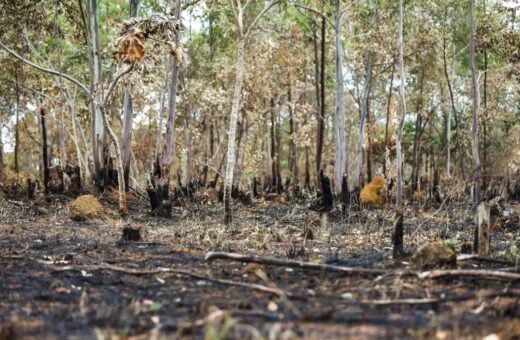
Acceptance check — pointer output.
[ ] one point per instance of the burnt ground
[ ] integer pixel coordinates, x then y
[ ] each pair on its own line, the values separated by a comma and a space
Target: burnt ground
66, 279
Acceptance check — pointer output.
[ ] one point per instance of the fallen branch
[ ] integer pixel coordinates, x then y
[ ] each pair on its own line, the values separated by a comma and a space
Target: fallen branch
485, 274
181, 272
434, 274
430, 301
475, 257
210, 256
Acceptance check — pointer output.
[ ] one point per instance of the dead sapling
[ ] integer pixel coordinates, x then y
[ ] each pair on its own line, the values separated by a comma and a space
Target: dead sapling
324, 205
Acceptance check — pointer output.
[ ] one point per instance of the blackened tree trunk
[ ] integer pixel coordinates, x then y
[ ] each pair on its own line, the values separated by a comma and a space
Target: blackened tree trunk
417, 136
45, 157
159, 194
17, 127
321, 118
293, 156
274, 156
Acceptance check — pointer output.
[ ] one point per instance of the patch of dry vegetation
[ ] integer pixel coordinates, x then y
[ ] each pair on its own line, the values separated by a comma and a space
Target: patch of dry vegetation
85, 207
374, 193
434, 255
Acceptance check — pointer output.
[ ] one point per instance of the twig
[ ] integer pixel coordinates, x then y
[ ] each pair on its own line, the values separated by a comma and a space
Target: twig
486, 274
181, 272
210, 256
429, 301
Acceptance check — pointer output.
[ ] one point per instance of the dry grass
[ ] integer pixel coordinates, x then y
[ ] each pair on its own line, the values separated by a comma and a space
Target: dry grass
84, 208
374, 193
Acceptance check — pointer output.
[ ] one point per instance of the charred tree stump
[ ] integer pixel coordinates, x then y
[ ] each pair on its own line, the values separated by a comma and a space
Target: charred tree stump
159, 201
31, 188
55, 183
482, 240
345, 195
397, 239
324, 205
131, 233
74, 182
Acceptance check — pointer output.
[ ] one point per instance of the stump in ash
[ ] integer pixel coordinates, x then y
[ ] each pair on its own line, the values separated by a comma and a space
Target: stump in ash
131, 233
324, 205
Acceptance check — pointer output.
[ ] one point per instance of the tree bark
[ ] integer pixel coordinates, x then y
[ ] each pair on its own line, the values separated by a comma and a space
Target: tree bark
45, 157
293, 156
128, 115
364, 107
159, 193
340, 147
17, 127
321, 117
398, 231
417, 136
97, 129
274, 173
475, 105
119, 158
230, 166
388, 109
454, 112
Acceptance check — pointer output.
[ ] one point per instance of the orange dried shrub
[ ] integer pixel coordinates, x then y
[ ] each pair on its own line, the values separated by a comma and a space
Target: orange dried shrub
374, 193
130, 46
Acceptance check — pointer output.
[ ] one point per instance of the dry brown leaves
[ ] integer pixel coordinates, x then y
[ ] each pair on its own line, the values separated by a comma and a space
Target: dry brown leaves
130, 46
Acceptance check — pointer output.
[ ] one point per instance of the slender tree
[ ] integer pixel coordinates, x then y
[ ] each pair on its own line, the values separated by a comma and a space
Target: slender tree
398, 232
340, 145
475, 96
243, 33
128, 114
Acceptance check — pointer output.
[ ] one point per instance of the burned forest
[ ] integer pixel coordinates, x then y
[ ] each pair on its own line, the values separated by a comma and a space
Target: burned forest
259, 169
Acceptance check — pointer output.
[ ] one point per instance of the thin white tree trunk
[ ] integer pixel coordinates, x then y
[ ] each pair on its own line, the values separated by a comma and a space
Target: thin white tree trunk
402, 102
230, 165
98, 132
340, 146
475, 94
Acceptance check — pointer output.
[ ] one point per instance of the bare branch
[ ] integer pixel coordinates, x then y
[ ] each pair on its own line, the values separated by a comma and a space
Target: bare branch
114, 82
485, 274
45, 69
314, 11
265, 10
290, 263
189, 4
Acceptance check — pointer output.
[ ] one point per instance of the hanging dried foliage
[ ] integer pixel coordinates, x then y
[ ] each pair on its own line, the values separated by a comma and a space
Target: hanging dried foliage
130, 46
176, 51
